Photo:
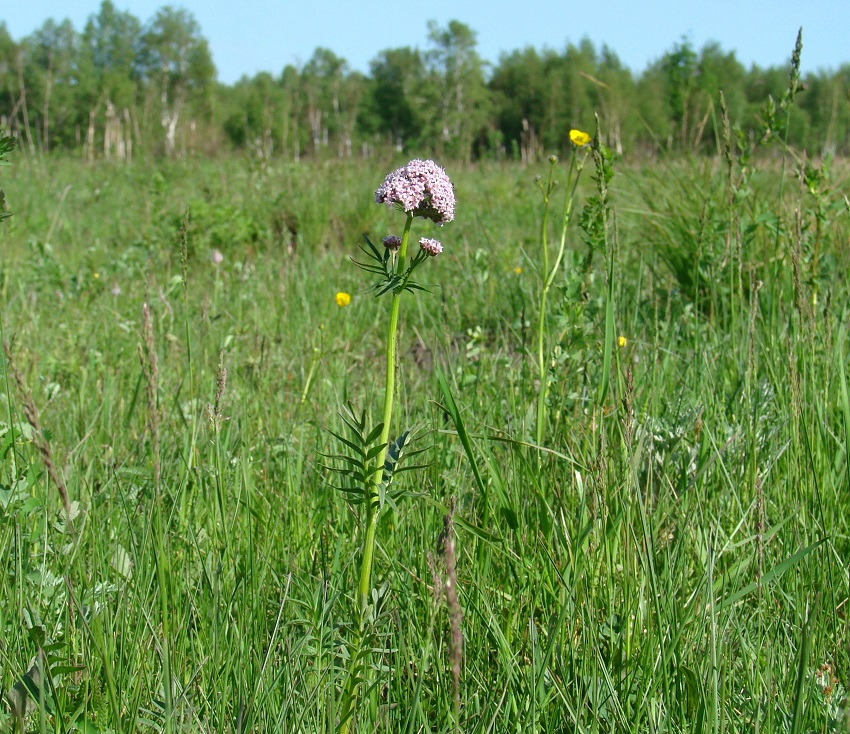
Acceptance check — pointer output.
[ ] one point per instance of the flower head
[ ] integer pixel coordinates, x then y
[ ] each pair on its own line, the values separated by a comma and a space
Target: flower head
420, 188
432, 247
342, 299
579, 138
392, 242
216, 257
621, 341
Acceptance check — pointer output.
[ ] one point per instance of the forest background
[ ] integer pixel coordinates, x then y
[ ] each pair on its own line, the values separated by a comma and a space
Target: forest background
120, 87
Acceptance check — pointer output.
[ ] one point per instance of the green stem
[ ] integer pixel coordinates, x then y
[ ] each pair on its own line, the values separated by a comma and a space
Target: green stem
549, 279
389, 394
541, 324
365, 585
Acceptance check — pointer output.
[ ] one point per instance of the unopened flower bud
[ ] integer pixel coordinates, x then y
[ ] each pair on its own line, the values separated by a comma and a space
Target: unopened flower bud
392, 242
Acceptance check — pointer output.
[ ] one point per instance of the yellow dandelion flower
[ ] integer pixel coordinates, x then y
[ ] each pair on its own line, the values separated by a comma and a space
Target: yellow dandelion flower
518, 270
579, 138
342, 299
95, 275
621, 341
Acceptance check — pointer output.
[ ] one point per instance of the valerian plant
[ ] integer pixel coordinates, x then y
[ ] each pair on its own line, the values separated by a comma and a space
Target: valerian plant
370, 462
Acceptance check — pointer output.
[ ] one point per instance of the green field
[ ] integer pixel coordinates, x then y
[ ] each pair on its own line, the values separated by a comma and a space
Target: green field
672, 557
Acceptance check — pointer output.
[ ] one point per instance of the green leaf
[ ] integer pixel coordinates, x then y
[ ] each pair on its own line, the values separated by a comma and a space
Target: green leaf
373, 453
354, 447
454, 414
773, 573
374, 434
510, 517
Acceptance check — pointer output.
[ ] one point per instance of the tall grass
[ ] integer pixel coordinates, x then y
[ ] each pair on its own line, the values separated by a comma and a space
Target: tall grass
673, 558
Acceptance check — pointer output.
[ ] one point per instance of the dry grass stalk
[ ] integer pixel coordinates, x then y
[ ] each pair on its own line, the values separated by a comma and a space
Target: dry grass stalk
629, 407
446, 547
726, 139
796, 258
214, 410
184, 255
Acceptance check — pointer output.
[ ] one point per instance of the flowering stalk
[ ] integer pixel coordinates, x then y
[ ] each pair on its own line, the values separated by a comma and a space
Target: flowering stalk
419, 189
579, 140
389, 393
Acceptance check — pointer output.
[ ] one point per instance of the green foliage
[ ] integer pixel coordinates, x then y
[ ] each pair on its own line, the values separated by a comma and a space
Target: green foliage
382, 265
226, 227
121, 87
358, 464
457, 98
393, 107
7, 145
673, 558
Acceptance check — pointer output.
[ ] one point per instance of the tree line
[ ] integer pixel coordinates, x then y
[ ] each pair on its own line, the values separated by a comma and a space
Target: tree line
120, 87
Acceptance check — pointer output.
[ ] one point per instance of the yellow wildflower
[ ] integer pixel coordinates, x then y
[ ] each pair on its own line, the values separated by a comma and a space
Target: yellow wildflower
579, 138
518, 270
342, 299
621, 341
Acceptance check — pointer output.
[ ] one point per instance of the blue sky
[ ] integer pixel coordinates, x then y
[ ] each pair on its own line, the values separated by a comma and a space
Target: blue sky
264, 35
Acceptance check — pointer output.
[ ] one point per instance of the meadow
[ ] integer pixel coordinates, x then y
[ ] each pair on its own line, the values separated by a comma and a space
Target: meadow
671, 557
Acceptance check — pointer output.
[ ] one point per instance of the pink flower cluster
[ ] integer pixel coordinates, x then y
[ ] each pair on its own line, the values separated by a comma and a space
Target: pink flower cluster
422, 189
432, 247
